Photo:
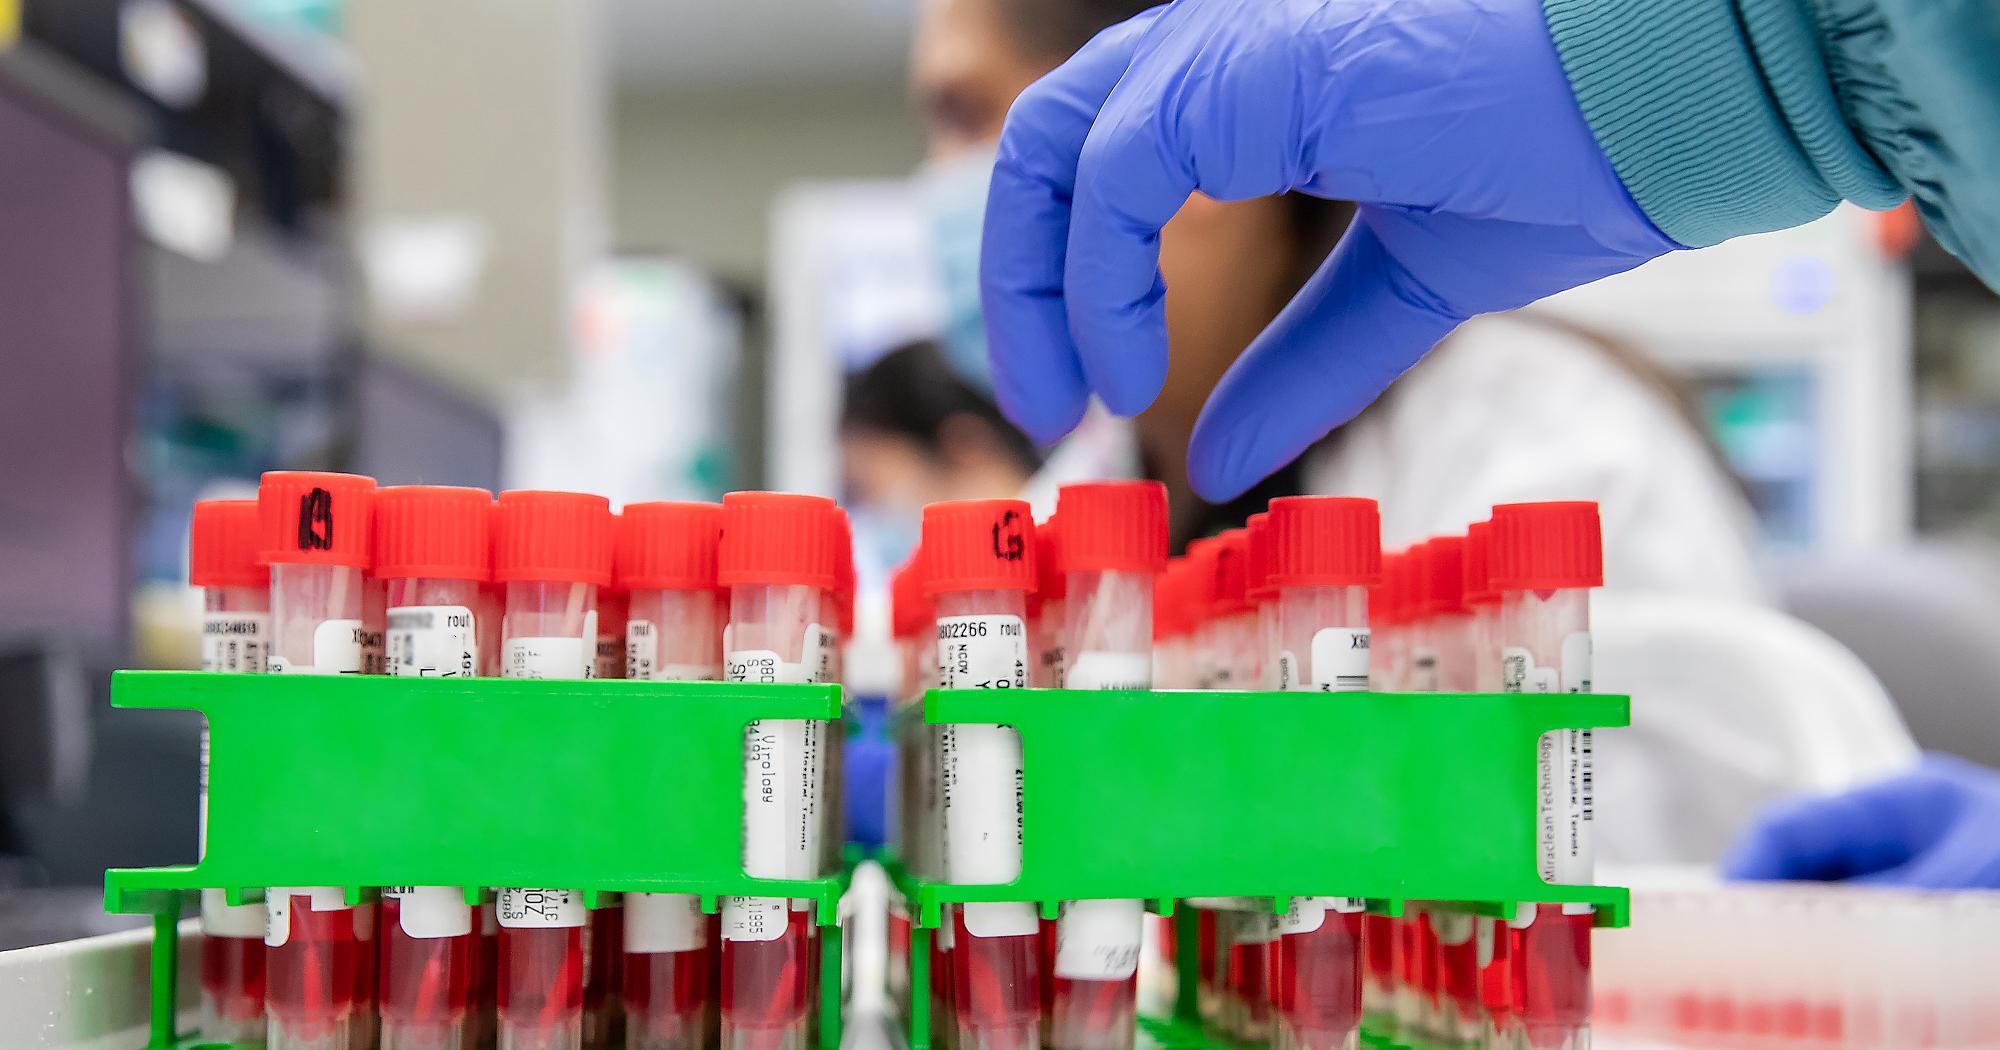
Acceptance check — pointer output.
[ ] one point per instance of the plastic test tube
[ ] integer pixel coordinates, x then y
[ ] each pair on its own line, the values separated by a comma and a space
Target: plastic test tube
1324, 553
910, 619
313, 531
604, 931
778, 556
979, 567
673, 633
433, 554
235, 633
1544, 558
1113, 542
1489, 936
552, 551
1045, 631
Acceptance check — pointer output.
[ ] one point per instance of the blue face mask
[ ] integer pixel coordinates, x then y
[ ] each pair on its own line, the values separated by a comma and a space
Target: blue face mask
884, 537
954, 195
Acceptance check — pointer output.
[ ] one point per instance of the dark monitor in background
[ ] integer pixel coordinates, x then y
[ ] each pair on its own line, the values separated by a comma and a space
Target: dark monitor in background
66, 369
412, 428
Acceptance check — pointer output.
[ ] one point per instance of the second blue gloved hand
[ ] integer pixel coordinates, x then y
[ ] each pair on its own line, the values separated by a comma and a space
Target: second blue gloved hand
1937, 827
1449, 121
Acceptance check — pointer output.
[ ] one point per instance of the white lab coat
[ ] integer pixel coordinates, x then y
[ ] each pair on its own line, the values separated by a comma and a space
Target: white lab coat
1734, 704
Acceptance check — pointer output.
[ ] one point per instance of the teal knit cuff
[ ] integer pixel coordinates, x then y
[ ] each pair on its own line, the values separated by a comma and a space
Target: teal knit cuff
1698, 126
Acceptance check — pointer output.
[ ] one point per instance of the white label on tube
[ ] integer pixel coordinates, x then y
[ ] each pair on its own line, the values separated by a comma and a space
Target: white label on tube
1304, 915
541, 909
1423, 675
1099, 940
981, 764
780, 767
278, 908
430, 912
663, 922
1576, 653
336, 650
1519, 673
1339, 660
1107, 670
1002, 918
234, 642
818, 653
610, 657
432, 641
219, 918
1563, 797
642, 649
587, 647
546, 658
277, 917
754, 918
982, 652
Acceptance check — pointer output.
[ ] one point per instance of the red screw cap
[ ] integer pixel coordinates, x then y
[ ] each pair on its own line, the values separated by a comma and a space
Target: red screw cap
668, 545
1051, 582
910, 610
1325, 541
222, 545
1546, 546
1230, 592
557, 537
433, 532
1113, 526
1443, 582
843, 574
979, 545
310, 517
1257, 570
778, 539
1478, 550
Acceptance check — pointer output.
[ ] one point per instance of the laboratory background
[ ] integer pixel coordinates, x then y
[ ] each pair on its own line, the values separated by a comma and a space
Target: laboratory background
667, 250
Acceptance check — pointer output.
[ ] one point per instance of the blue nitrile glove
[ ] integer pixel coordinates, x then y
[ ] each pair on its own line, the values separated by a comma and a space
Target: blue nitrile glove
1936, 827
1450, 121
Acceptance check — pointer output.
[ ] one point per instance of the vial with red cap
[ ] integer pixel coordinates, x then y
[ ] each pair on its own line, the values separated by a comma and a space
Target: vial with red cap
1263, 596
910, 626
778, 557
1113, 542
552, 551
1482, 605
979, 568
1324, 554
314, 532
1445, 632
1229, 631
1045, 632
433, 555
235, 634
1171, 647
1544, 560
666, 565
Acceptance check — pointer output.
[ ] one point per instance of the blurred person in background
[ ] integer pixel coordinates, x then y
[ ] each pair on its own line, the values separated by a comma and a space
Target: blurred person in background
913, 432
1510, 408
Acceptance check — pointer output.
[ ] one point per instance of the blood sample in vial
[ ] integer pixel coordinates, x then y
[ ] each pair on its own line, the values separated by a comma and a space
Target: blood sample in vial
235, 635
1113, 542
1543, 561
314, 532
673, 633
978, 569
779, 558
552, 551
433, 554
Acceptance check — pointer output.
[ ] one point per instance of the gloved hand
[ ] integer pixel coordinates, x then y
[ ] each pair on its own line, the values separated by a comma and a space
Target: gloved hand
1937, 827
1449, 121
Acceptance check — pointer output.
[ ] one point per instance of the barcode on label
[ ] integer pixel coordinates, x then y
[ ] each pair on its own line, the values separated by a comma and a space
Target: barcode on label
1586, 801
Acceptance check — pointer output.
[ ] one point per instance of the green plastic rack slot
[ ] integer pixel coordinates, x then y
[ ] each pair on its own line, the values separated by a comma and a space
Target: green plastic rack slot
1161, 796
597, 786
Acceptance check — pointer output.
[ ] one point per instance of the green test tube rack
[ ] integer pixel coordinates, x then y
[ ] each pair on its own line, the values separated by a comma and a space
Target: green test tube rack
1162, 796
362, 781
